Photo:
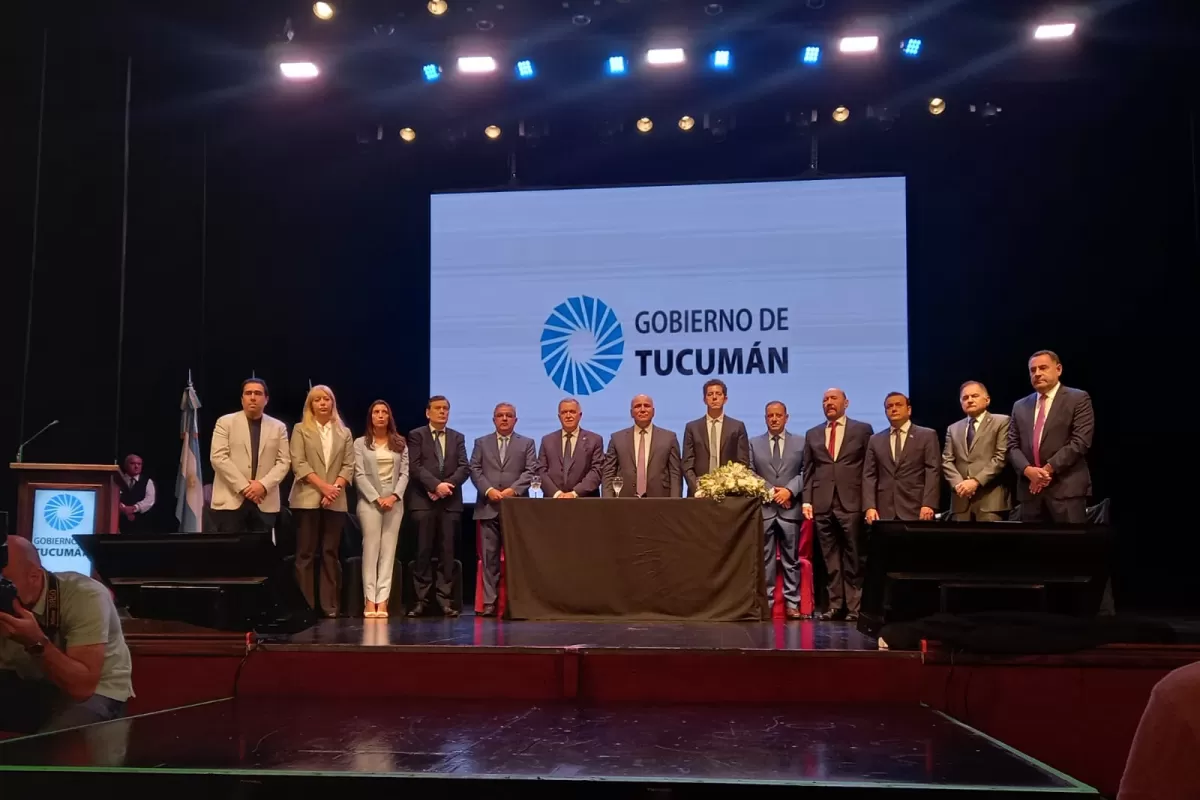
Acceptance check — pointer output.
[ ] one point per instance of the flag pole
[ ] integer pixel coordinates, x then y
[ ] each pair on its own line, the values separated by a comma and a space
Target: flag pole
124, 257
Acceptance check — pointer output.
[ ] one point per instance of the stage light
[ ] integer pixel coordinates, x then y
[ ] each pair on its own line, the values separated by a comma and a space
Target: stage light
686, 123
841, 114
408, 134
1057, 30
645, 125
322, 11
812, 54
437, 7
492, 131
616, 65
431, 72
721, 59
299, 70
476, 64
937, 106
665, 56
859, 44
911, 47
525, 69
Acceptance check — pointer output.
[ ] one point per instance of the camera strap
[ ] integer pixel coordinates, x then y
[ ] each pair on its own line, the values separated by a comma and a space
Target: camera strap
50, 628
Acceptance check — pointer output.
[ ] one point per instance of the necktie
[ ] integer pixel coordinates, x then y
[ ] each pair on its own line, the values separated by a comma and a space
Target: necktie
898, 447
714, 445
775, 451
970, 433
833, 440
503, 449
568, 452
641, 462
1038, 425
441, 453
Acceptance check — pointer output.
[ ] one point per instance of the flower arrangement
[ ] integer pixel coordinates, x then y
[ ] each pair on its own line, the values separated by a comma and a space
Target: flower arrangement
733, 480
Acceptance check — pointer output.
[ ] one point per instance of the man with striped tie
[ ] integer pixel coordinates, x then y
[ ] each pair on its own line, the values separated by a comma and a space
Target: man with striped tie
1048, 441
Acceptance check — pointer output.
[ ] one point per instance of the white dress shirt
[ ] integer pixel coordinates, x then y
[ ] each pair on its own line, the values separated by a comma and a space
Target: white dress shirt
147, 502
903, 437
637, 438
326, 432
1046, 404
383, 458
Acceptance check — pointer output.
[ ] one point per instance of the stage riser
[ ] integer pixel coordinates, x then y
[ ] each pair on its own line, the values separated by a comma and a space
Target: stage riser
1077, 719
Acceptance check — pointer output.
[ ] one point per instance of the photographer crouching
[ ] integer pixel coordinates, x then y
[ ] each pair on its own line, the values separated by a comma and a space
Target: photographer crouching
63, 659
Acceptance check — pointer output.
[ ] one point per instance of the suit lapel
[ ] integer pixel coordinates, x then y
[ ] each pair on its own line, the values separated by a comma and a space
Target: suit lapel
1056, 409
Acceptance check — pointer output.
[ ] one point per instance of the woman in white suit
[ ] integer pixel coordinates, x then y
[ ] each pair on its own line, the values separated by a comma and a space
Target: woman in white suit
381, 476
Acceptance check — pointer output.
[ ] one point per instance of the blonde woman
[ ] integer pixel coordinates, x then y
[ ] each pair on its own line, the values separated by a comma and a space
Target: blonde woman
323, 462
381, 476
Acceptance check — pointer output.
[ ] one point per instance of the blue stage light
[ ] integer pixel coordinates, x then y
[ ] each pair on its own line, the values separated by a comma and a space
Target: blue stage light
911, 47
616, 65
432, 72
525, 69
721, 59
812, 54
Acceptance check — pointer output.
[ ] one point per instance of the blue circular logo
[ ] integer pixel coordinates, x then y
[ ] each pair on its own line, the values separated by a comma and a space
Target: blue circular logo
63, 512
582, 345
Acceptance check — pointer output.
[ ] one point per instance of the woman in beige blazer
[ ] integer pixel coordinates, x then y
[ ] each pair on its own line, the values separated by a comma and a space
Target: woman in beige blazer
323, 462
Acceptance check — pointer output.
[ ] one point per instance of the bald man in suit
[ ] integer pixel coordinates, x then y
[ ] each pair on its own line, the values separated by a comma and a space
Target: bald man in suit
644, 456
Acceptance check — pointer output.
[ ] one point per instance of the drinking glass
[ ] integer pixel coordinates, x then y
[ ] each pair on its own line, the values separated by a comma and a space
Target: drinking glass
617, 484
535, 486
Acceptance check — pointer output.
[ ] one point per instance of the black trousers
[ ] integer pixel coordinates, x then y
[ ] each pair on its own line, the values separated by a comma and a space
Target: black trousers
435, 526
319, 530
33, 706
839, 532
247, 519
1040, 508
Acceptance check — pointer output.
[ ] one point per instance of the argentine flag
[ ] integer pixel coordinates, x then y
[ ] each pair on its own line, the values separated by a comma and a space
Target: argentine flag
189, 486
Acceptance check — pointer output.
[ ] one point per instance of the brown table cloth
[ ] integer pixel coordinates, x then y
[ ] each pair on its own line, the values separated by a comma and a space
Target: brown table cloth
605, 558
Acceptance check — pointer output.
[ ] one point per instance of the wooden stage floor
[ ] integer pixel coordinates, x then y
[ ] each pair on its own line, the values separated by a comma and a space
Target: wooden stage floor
541, 749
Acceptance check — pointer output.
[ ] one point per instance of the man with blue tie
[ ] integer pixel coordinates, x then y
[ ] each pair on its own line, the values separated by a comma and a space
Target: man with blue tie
437, 466
571, 462
777, 458
502, 465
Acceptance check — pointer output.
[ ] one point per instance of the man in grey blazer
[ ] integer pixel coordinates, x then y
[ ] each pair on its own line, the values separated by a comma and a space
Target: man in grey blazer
714, 439
502, 465
900, 475
437, 464
1049, 436
250, 457
777, 458
645, 457
834, 452
571, 462
973, 459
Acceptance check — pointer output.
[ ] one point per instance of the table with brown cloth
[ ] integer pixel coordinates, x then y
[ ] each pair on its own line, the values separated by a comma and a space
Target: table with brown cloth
648, 559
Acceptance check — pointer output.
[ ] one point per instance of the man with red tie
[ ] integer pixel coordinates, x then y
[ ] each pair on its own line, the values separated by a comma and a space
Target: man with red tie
1048, 441
832, 494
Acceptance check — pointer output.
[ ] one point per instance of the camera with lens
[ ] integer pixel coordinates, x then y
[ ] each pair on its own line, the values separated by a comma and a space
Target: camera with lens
8, 592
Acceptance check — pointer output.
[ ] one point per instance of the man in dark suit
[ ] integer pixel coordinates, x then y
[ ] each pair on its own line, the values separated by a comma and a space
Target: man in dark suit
571, 462
645, 457
437, 465
502, 465
900, 477
776, 458
834, 453
1049, 436
714, 439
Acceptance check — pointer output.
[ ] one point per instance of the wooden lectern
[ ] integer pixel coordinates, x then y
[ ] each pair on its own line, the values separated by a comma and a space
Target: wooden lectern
98, 478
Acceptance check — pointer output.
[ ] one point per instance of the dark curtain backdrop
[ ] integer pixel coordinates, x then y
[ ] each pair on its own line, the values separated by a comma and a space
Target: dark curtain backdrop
1070, 225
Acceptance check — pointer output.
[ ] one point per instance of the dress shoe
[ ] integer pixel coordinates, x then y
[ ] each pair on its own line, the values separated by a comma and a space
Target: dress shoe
489, 610
829, 616
417, 611
793, 613
852, 616
450, 613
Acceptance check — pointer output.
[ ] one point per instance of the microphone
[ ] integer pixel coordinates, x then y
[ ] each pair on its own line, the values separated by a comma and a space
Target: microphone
21, 449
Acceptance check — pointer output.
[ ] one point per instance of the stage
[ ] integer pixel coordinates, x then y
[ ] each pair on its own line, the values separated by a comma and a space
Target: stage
694, 706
